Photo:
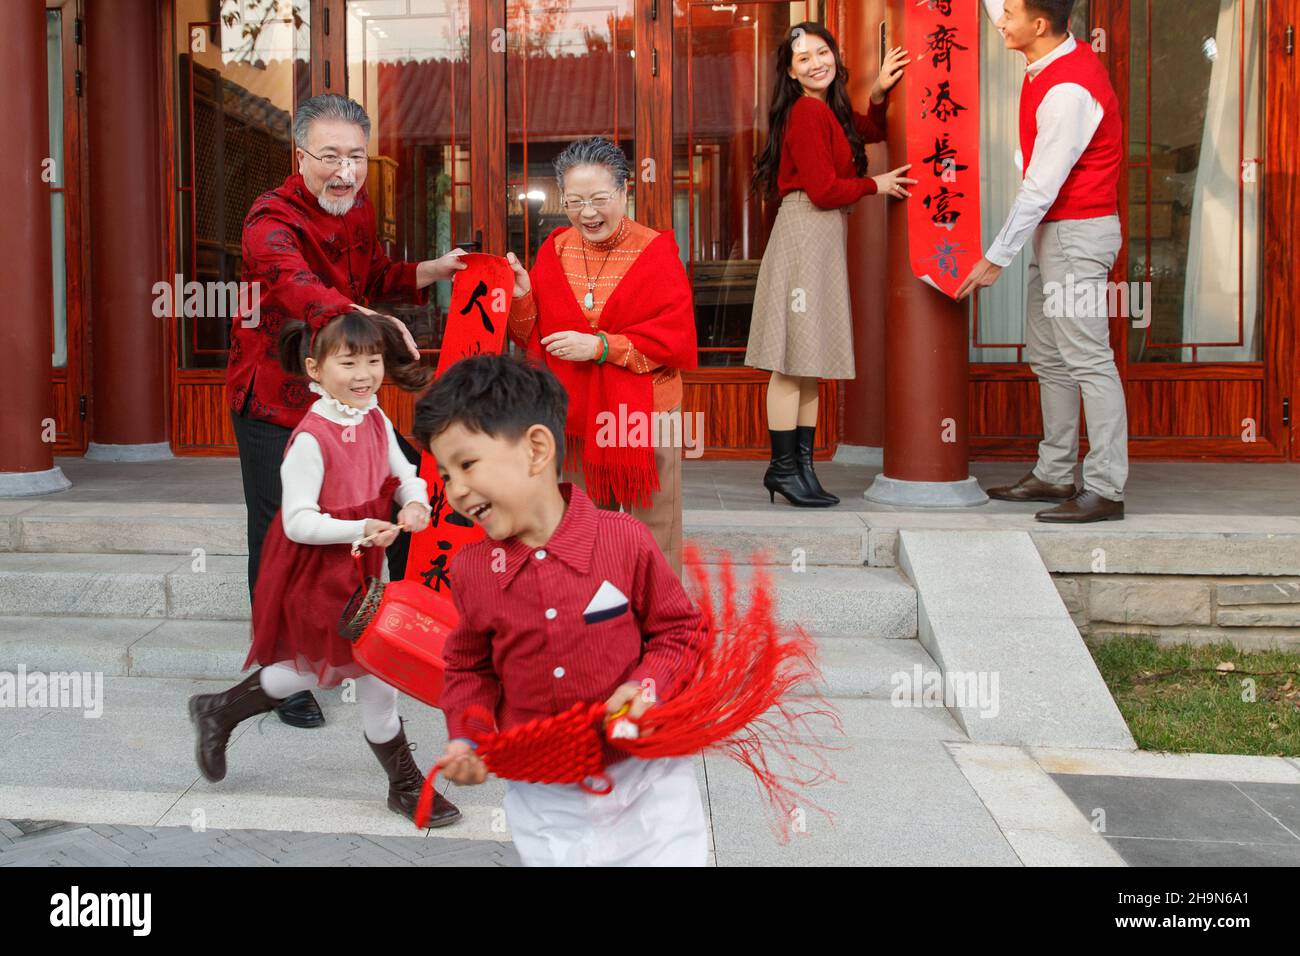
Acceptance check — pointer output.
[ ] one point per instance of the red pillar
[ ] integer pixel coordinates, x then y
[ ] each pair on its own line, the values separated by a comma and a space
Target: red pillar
927, 362
864, 396
127, 237
26, 279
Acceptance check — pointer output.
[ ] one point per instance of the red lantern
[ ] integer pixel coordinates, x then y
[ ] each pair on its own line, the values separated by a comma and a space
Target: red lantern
400, 641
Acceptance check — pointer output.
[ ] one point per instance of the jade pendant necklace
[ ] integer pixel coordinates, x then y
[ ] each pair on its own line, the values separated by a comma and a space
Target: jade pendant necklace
589, 300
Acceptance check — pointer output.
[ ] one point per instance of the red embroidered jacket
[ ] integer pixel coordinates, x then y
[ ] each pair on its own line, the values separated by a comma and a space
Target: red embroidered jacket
311, 265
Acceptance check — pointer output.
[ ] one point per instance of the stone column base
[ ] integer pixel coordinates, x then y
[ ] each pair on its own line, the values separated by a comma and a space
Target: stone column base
158, 451
926, 494
24, 484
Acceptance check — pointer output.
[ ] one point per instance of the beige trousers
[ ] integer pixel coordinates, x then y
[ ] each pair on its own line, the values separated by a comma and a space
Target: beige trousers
1067, 344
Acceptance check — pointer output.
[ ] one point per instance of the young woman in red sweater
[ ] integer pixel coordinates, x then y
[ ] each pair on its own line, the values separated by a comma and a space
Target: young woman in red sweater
816, 159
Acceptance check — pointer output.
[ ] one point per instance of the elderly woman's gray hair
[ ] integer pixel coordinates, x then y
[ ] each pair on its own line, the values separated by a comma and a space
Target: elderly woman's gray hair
594, 151
329, 106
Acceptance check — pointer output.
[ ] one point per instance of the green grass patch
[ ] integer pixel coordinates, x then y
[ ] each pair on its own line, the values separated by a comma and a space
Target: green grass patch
1184, 699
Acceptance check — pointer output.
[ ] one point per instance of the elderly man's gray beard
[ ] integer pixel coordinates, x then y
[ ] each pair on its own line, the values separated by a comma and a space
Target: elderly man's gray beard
336, 207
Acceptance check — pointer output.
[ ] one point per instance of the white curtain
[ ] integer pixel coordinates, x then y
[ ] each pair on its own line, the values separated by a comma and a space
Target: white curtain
1210, 299
1001, 307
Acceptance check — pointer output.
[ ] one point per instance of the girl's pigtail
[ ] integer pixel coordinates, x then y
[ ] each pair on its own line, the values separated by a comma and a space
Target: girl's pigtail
295, 340
412, 376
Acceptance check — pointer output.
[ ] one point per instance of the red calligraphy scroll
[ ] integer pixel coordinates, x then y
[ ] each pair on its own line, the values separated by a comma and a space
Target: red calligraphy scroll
476, 325
943, 139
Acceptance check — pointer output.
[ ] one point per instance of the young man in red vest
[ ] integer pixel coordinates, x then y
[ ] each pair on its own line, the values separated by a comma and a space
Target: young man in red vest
1071, 141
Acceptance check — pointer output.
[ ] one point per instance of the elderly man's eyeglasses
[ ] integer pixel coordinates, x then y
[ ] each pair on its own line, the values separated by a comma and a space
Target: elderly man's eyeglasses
332, 161
575, 205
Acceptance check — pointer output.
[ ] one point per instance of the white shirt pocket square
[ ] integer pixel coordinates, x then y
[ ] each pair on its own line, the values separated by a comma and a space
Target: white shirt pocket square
609, 602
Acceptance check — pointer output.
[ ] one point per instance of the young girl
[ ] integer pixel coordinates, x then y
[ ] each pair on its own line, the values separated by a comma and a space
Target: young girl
816, 159
341, 471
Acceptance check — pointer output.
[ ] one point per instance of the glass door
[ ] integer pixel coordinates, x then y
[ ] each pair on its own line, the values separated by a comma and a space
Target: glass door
569, 75
722, 88
408, 65
62, 175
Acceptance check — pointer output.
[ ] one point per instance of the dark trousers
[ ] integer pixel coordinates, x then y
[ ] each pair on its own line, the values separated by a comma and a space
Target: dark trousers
261, 450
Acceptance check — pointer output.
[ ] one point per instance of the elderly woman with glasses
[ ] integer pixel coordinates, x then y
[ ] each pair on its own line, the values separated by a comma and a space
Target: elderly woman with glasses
607, 307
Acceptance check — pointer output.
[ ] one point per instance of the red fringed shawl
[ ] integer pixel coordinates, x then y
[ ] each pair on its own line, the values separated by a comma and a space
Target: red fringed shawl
652, 306
753, 698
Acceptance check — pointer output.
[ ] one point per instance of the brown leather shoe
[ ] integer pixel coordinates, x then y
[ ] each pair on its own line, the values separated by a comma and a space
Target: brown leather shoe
216, 715
405, 782
1029, 488
1083, 507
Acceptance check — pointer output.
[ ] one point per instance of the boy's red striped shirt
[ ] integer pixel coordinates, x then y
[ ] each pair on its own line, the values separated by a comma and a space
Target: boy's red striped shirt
529, 643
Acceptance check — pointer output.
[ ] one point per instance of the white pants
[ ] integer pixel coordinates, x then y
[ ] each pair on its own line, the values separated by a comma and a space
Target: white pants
653, 817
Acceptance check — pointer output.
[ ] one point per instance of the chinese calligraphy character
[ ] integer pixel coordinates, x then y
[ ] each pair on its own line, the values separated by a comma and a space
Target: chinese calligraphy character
944, 158
437, 501
436, 576
943, 6
943, 215
942, 42
944, 106
946, 254
479, 290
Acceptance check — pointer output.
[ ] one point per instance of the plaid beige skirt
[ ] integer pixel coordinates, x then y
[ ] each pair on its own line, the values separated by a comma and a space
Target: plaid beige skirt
802, 323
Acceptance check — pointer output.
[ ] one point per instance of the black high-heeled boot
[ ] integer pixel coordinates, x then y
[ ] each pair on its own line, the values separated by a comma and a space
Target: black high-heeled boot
805, 436
783, 473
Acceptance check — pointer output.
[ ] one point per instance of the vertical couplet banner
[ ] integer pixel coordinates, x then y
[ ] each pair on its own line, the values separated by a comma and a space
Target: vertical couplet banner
476, 325
943, 139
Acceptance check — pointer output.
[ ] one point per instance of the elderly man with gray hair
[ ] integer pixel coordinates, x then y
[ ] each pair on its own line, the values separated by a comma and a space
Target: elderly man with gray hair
311, 245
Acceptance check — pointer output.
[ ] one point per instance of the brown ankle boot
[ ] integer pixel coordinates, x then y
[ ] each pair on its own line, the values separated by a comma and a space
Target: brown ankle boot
405, 782
216, 715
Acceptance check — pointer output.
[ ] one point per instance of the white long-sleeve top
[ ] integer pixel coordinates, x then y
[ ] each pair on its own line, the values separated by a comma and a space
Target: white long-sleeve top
1068, 118
303, 471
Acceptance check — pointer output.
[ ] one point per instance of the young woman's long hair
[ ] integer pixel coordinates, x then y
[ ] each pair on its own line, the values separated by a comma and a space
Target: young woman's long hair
787, 92
359, 334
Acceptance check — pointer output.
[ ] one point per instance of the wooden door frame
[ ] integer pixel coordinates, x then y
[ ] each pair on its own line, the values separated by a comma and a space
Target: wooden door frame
1282, 208
72, 382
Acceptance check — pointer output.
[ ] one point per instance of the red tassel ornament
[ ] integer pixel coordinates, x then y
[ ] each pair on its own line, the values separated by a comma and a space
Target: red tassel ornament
740, 702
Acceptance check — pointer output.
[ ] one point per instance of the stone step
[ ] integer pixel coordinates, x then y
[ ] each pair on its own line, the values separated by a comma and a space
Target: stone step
870, 602
1263, 545
851, 667
124, 528
209, 587
785, 536
812, 537
849, 602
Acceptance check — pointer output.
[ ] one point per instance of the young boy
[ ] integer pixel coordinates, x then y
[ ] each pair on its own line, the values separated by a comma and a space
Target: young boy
563, 603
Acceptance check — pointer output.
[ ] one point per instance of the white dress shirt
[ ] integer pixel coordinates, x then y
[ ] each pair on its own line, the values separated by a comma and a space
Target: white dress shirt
303, 471
1068, 118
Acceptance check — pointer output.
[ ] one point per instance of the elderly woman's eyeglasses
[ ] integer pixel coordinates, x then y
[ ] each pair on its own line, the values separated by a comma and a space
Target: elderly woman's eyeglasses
575, 205
332, 161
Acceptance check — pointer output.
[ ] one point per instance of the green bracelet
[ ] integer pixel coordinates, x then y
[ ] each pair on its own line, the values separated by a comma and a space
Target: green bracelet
605, 354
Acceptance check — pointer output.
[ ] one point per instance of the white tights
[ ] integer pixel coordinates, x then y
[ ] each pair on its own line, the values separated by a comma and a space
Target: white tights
378, 701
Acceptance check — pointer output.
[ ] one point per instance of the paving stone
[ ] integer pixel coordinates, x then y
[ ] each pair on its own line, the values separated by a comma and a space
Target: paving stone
1192, 853
109, 845
1207, 810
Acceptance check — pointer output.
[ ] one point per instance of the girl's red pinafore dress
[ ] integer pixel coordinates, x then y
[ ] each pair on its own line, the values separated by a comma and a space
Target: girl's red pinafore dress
302, 589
